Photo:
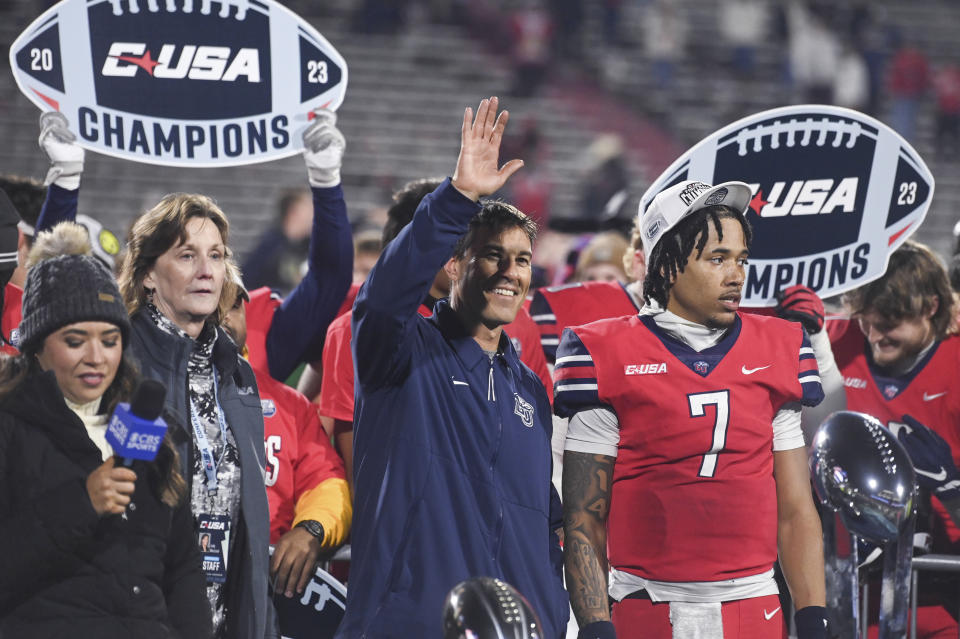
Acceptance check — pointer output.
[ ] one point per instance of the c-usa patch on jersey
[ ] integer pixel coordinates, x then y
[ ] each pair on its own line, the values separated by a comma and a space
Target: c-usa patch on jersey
268, 407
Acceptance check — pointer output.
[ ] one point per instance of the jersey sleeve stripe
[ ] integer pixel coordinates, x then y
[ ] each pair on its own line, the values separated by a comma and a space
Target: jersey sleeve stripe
576, 384
808, 374
563, 388
546, 321
575, 372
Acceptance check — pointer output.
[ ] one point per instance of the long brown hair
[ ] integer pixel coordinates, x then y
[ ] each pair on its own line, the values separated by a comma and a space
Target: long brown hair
159, 229
163, 474
914, 282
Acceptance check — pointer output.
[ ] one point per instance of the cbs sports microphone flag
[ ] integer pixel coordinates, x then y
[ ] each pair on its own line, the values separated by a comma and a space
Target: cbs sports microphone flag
180, 82
834, 193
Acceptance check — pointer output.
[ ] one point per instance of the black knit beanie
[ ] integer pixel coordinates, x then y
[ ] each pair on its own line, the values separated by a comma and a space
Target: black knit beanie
67, 289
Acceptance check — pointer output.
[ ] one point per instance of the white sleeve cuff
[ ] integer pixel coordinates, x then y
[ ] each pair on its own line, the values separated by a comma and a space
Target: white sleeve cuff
595, 431
787, 433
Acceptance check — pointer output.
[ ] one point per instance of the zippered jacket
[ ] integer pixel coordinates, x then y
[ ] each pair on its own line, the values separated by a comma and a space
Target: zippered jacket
451, 450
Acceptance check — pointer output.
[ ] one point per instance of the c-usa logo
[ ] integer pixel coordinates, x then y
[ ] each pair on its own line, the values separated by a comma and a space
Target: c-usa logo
524, 409
268, 407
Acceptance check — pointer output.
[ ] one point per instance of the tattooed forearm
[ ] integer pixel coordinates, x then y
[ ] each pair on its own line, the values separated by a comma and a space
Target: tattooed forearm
586, 499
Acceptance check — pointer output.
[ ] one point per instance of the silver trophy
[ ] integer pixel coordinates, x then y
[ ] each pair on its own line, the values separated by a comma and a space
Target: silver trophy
863, 475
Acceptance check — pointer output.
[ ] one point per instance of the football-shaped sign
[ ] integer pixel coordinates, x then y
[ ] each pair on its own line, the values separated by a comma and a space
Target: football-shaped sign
834, 193
179, 82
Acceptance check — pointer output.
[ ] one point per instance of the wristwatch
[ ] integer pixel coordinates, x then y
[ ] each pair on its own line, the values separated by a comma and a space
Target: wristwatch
313, 527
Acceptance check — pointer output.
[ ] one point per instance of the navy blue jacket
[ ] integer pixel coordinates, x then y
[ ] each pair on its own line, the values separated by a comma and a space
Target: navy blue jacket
452, 450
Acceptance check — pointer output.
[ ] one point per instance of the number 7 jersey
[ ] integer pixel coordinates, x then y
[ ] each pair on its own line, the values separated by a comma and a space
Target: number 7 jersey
693, 496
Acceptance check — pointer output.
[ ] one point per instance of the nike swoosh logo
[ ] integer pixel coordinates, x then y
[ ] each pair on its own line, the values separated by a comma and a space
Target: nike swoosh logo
457, 382
769, 615
751, 371
927, 398
934, 476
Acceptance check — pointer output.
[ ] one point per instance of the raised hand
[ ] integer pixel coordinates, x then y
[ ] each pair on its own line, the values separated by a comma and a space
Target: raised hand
110, 488
60, 146
801, 304
323, 146
478, 172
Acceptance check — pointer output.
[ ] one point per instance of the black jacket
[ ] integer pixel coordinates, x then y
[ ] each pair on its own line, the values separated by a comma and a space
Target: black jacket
64, 571
163, 357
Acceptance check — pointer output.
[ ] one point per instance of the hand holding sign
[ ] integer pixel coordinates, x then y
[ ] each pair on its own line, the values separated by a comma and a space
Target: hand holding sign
60, 146
323, 147
801, 304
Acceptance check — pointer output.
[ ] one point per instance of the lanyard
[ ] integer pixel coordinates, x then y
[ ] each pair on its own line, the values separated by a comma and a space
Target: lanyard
200, 432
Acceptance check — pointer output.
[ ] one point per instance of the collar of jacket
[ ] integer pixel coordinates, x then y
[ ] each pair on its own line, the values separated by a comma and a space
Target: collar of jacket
171, 351
463, 344
39, 402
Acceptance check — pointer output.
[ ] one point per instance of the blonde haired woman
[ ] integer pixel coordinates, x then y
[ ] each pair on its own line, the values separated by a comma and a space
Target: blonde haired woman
175, 284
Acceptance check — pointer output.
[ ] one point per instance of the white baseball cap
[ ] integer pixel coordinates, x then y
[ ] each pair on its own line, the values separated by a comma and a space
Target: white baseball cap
680, 200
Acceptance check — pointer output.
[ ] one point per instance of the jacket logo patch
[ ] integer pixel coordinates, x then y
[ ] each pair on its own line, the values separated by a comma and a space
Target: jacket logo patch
524, 409
645, 369
268, 407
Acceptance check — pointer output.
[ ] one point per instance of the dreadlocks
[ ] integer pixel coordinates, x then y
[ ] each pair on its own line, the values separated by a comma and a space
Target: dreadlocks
669, 257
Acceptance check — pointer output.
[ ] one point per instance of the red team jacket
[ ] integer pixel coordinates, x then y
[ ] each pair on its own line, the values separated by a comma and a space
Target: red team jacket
695, 451
304, 472
556, 307
930, 393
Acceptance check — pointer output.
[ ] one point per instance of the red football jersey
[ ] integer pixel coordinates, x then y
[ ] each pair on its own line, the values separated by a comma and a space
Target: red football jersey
554, 308
930, 393
336, 391
10, 320
299, 458
693, 496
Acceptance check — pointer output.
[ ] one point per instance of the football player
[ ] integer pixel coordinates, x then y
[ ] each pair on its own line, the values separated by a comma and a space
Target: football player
685, 470
898, 355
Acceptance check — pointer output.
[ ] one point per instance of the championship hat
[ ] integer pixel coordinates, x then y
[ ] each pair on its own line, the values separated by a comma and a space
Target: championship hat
673, 204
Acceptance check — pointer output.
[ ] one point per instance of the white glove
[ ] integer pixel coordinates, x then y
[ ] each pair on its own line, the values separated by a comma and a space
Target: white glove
61, 148
323, 147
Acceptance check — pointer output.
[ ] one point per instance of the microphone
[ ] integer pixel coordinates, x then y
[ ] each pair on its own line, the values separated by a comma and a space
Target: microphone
136, 430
